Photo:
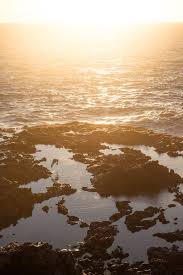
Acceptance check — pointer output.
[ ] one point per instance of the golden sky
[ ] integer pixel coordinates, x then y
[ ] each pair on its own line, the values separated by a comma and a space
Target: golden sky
90, 12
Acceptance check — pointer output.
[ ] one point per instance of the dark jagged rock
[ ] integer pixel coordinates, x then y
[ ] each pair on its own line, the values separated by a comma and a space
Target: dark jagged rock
83, 224
72, 220
179, 197
100, 236
19, 166
56, 190
39, 259
161, 217
138, 220
89, 189
15, 203
115, 217
130, 173
164, 261
43, 159
55, 161
119, 253
171, 236
61, 208
45, 208
171, 205
123, 207
88, 137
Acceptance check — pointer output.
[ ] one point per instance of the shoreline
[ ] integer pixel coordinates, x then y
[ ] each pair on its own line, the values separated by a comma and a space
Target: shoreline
40, 258
89, 146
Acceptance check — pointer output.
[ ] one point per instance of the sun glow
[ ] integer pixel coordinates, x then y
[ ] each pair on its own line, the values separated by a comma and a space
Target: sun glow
92, 12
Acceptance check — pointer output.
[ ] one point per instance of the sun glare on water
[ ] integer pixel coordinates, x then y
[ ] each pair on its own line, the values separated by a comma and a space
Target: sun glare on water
95, 12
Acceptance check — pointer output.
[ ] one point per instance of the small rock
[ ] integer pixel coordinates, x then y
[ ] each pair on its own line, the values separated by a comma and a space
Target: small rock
45, 208
83, 225
171, 205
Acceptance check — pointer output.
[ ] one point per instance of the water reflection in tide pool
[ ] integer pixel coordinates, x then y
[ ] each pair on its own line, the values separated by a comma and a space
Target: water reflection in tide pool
53, 227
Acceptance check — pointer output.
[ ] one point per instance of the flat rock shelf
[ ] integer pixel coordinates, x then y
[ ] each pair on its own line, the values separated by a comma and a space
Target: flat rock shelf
81, 193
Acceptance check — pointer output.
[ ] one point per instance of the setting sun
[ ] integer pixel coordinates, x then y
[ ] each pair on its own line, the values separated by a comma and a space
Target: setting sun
91, 137
72, 12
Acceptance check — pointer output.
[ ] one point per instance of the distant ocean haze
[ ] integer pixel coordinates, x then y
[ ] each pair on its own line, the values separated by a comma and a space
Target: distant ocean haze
54, 75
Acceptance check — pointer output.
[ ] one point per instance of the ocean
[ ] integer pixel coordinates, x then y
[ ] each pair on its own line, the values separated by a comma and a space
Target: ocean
50, 75
50, 78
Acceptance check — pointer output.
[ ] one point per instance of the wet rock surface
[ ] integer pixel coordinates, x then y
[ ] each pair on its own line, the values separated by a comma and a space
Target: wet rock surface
130, 173
40, 258
139, 219
18, 165
15, 203
58, 189
165, 261
62, 209
171, 236
100, 236
45, 209
124, 209
179, 197
171, 205
72, 220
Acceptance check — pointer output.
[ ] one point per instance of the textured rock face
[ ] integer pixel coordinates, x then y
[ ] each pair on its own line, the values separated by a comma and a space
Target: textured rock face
171, 236
58, 189
15, 203
165, 261
37, 259
124, 209
18, 165
130, 173
41, 259
138, 220
100, 236
61, 208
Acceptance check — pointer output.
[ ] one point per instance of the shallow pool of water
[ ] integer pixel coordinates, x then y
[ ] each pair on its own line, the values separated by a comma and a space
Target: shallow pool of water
53, 228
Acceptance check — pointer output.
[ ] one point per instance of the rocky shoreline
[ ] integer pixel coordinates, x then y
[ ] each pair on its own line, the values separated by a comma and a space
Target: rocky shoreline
40, 258
129, 173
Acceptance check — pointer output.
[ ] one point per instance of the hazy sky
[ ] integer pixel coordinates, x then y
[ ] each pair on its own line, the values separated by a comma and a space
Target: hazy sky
92, 11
